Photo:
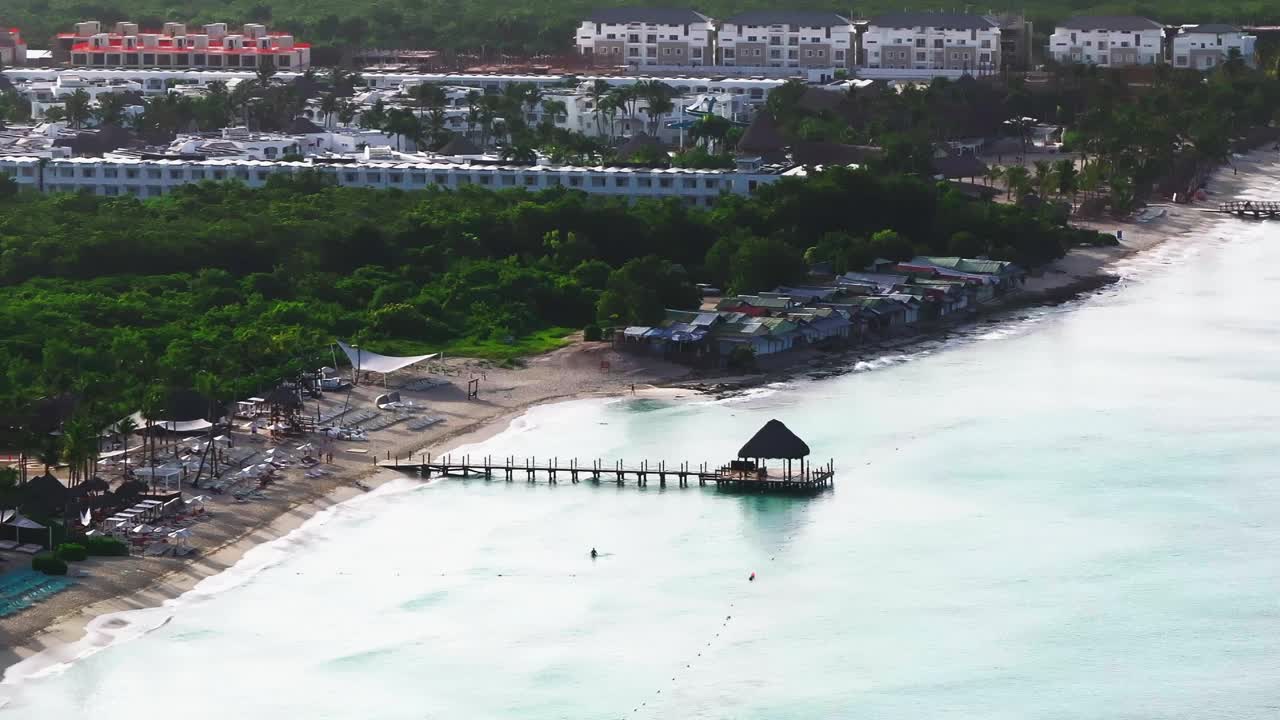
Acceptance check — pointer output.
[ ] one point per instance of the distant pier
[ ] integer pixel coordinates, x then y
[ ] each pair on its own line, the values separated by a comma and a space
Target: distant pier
749, 473
1257, 209
735, 476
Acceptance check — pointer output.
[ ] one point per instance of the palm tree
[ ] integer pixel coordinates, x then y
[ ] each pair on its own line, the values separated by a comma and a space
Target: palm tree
598, 91
55, 114
994, 174
401, 123
1068, 177
125, 430
473, 111
658, 101
110, 110
554, 109
77, 108
1017, 181
329, 106
240, 98
347, 112
375, 117
428, 95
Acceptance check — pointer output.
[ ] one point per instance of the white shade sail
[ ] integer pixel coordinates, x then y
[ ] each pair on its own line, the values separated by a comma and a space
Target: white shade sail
366, 361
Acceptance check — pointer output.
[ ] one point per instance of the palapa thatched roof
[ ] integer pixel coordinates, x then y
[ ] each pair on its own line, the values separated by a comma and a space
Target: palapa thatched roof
638, 142
762, 136
284, 398
459, 145
94, 484
774, 441
45, 493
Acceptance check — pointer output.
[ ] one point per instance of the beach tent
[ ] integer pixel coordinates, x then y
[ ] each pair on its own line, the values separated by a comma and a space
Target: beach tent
364, 361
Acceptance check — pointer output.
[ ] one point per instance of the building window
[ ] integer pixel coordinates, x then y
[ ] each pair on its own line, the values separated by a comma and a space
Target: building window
530, 180
664, 182
597, 181
728, 53
986, 43
920, 57
175, 174
919, 42
937, 44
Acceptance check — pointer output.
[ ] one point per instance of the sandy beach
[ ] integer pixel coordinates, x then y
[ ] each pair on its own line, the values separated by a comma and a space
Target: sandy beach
105, 586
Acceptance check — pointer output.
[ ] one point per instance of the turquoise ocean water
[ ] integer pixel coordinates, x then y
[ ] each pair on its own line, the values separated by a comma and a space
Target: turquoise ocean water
1070, 514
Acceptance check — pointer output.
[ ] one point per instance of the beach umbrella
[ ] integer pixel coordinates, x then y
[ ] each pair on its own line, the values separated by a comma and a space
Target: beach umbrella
21, 523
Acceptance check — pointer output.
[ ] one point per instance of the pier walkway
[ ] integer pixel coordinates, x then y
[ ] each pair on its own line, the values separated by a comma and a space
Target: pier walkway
1258, 209
809, 480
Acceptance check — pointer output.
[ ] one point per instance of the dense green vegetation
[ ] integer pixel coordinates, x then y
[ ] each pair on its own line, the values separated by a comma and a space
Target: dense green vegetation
528, 27
118, 299
1160, 131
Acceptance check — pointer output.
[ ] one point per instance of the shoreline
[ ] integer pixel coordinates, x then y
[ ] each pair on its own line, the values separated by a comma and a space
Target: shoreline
572, 373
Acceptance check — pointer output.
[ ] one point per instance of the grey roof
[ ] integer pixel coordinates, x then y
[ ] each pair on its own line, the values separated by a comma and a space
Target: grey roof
659, 16
1123, 23
804, 18
955, 21
1211, 28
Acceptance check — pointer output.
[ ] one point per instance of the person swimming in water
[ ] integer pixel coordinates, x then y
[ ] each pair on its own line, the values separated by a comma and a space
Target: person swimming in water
594, 554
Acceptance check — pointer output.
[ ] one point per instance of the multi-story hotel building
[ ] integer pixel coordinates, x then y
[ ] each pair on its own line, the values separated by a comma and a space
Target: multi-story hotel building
639, 36
174, 47
787, 39
926, 41
1204, 47
13, 50
122, 176
1108, 41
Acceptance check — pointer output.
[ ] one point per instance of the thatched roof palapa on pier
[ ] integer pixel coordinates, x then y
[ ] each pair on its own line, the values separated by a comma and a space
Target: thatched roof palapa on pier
774, 441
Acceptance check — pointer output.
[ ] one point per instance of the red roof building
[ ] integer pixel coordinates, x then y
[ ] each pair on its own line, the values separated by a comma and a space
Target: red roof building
174, 47
13, 50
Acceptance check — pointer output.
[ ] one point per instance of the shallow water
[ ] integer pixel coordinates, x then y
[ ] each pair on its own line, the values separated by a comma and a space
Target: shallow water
1074, 514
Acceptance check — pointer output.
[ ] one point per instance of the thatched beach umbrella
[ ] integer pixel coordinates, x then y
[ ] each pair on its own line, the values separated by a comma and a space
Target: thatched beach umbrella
44, 495
775, 441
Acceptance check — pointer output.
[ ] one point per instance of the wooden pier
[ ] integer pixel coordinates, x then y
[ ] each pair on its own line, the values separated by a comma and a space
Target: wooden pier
1257, 209
554, 470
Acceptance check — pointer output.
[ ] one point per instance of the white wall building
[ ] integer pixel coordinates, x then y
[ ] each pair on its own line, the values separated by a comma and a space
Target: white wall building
13, 49
118, 176
787, 39
1108, 41
1204, 47
647, 36
932, 43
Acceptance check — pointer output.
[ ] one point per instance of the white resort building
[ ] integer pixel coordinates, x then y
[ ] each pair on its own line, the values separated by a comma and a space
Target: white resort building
1204, 47
140, 176
173, 47
1108, 41
787, 39
653, 36
927, 43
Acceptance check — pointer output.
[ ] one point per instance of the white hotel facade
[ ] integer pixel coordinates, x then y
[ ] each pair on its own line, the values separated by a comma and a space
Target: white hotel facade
640, 37
787, 39
1204, 47
932, 42
1108, 41
141, 177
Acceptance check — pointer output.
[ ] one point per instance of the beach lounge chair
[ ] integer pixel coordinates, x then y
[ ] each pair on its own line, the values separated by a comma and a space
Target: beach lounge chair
29, 549
8, 544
